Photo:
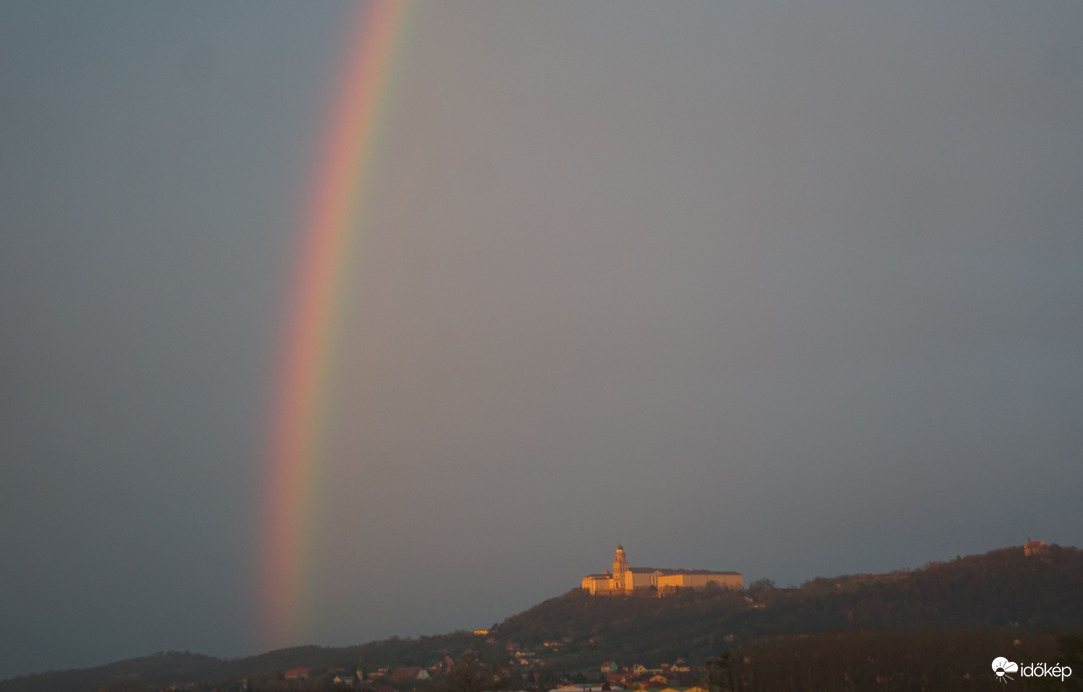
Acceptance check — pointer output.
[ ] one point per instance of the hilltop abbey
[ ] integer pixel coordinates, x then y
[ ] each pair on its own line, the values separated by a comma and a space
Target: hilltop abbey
627, 580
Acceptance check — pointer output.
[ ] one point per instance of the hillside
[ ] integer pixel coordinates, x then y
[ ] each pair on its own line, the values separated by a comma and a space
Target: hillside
1002, 590
173, 668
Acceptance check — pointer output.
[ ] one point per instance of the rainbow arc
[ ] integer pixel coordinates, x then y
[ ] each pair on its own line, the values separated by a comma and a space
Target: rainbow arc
334, 222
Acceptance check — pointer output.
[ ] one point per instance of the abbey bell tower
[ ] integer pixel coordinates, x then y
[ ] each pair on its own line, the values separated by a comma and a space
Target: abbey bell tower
620, 568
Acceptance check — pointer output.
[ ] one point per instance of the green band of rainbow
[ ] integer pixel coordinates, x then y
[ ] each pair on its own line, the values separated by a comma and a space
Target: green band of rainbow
334, 222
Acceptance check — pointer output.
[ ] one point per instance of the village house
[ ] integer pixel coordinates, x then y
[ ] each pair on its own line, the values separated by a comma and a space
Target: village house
1033, 547
621, 679
297, 673
409, 674
678, 666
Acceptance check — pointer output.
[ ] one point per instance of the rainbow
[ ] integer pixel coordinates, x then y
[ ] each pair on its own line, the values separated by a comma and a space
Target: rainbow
332, 225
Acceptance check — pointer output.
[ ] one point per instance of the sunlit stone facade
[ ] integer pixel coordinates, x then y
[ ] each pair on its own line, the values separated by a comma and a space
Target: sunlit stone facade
625, 580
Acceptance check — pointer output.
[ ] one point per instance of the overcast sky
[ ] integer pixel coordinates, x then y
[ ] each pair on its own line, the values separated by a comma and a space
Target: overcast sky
792, 289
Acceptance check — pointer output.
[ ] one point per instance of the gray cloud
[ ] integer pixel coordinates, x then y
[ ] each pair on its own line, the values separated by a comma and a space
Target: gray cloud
787, 290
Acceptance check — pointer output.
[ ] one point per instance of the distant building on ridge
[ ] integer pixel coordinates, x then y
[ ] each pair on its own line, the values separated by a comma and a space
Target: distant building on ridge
626, 580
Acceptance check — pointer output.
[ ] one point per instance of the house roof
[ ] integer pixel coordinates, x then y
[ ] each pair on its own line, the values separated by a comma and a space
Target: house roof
693, 571
408, 673
296, 672
667, 571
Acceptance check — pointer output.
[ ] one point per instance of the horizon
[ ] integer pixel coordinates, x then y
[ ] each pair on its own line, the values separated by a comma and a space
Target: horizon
907, 569
761, 287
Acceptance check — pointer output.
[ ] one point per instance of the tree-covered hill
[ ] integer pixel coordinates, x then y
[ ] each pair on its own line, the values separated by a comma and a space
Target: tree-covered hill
1003, 590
